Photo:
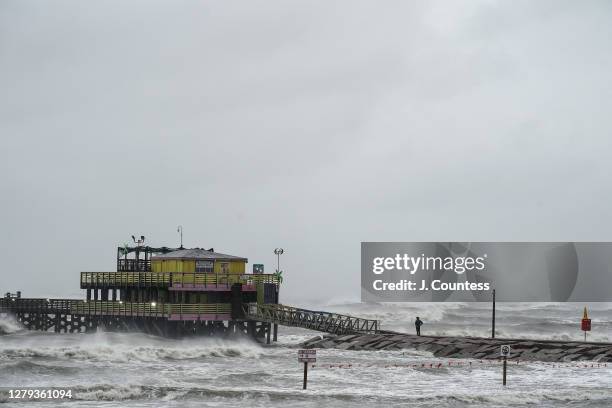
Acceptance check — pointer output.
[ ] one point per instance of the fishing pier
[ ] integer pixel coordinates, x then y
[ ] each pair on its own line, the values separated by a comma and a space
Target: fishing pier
177, 292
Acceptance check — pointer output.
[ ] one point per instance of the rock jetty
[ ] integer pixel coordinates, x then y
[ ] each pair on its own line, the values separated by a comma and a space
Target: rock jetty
469, 347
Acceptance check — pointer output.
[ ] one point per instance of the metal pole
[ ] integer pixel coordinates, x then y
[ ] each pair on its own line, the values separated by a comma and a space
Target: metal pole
493, 318
275, 324
505, 362
306, 375
278, 252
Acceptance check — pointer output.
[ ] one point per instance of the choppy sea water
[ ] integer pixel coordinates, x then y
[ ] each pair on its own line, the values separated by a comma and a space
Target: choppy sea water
137, 370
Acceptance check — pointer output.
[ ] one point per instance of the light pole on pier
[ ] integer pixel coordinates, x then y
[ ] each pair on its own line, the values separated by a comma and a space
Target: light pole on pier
278, 252
279, 275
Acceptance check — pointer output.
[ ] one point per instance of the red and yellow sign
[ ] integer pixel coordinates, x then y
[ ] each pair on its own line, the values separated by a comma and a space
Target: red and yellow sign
586, 322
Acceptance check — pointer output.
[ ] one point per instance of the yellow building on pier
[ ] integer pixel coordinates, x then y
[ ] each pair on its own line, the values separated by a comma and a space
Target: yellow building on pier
200, 261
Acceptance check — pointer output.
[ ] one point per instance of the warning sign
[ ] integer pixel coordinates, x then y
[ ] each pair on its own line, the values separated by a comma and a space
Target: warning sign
307, 356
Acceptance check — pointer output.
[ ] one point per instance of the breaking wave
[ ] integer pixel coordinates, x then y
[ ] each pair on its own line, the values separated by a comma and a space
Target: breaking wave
32, 368
107, 347
9, 326
138, 353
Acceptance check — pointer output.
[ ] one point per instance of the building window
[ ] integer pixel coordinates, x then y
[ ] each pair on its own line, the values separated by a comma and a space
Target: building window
224, 267
204, 266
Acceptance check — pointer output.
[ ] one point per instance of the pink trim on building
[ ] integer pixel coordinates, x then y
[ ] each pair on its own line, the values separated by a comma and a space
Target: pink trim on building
193, 316
209, 288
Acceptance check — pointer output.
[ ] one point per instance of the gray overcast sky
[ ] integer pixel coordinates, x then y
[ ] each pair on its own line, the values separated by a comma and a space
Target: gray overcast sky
308, 125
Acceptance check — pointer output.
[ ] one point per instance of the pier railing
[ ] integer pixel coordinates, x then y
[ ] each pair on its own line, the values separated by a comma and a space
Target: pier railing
149, 309
168, 279
115, 308
143, 265
309, 319
36, 305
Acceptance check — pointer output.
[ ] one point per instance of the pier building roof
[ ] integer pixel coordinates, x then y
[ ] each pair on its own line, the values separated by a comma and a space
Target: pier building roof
199, 254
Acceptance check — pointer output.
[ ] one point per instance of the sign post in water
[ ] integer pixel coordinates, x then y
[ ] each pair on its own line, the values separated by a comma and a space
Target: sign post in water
307, 356
505, 352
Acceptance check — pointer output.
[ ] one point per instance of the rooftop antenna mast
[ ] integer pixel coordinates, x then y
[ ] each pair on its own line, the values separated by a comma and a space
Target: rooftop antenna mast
139, 244
179, 229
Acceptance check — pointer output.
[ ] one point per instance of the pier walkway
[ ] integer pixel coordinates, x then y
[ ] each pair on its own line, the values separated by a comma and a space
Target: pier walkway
310, 319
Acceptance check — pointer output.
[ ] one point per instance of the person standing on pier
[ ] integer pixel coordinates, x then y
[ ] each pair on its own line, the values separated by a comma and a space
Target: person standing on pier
418, 323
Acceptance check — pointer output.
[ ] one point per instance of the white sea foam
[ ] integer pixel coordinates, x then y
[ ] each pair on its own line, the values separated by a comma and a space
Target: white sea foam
9, 325
125, 370
108, 347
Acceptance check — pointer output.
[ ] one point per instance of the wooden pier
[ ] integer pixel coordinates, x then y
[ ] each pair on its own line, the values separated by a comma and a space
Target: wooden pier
176, 292
174, 320
168, 320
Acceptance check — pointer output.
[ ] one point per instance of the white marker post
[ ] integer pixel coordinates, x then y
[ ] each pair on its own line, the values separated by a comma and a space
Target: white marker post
307, 356
505, 352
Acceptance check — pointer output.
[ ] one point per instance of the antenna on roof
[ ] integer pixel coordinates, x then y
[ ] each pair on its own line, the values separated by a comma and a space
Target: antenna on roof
179, 229
139, 242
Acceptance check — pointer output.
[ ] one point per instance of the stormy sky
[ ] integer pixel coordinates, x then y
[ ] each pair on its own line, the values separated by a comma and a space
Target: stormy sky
308, 125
